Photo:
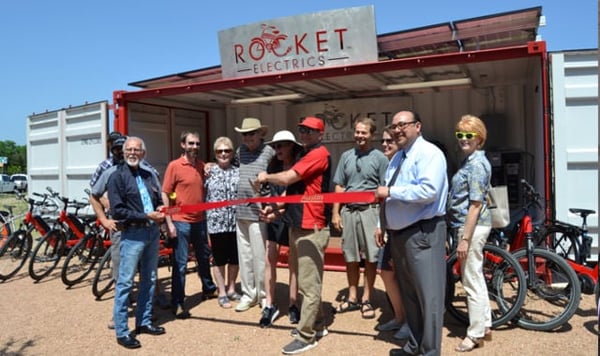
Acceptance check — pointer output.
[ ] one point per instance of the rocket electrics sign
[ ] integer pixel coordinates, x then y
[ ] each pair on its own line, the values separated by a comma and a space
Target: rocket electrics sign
312, 41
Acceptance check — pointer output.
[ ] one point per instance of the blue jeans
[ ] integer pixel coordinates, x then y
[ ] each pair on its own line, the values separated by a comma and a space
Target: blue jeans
139, 246
194, 233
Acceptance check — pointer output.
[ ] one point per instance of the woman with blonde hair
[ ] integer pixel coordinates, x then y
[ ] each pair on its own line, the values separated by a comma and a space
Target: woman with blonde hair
470, 220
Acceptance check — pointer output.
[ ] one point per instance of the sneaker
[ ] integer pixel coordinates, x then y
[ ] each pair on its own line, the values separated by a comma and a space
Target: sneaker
269, 314
403, 333
294, 314
319, 334
389, 326
297, 347
180, 312
245, 304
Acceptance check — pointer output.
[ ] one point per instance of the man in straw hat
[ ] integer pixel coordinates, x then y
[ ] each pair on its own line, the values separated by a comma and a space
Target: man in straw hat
254, 156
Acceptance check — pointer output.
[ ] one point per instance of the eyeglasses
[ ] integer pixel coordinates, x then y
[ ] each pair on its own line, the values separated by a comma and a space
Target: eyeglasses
133, 150
305, 130
468, 135
401, 125
386, 141
219, 152
251, 133
194, 143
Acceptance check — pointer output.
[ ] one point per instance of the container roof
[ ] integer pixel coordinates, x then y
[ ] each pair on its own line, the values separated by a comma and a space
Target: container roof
445, 40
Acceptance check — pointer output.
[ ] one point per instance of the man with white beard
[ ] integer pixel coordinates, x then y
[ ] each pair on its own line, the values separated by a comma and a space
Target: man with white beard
135, 201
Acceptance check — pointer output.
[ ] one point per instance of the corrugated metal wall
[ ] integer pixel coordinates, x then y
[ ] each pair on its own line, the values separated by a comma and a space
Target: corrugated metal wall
575, 134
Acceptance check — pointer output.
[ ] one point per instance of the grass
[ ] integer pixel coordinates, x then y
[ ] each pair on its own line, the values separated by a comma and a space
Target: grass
19, 206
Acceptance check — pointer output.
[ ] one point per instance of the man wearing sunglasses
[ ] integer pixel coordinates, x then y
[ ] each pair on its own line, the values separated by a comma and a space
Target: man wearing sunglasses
308, 239
184, 185
415, 204
253, 156
361, 168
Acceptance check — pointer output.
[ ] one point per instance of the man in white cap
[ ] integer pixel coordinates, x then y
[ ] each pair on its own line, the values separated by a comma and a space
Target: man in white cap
253, 156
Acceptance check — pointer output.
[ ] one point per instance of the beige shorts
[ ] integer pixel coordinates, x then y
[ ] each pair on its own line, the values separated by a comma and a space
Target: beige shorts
358, 236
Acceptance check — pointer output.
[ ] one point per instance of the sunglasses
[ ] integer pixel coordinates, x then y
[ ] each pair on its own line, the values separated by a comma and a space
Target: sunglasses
305, 130
223, 151
194, 143
468, 135
251, 133
401, 125
386, 141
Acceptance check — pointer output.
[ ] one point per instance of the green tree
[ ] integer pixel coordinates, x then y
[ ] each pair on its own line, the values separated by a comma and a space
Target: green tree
17, 157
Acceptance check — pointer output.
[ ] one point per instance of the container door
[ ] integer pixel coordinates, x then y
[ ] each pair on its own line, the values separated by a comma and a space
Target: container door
575, 135
65, 146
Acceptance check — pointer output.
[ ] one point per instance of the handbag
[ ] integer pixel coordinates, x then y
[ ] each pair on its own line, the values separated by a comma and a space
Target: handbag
497, 198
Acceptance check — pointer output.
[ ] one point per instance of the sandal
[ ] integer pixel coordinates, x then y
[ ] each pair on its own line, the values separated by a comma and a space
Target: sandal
367, 310
224, 302
475, 343
234, 296
348, 306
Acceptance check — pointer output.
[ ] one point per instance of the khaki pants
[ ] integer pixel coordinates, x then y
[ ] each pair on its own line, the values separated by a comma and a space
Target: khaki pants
310, 248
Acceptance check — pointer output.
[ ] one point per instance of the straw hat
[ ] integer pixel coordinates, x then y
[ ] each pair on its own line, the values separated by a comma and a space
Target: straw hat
250, 124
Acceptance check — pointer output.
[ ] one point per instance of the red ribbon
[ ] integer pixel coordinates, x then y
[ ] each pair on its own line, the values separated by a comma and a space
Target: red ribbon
326, 198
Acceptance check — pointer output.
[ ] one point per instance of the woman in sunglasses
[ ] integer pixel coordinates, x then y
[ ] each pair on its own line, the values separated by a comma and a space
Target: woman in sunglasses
287, 152
384, 261
222, 185
469, 219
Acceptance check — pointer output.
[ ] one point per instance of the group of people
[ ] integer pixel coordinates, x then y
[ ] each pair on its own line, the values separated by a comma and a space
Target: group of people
401, 235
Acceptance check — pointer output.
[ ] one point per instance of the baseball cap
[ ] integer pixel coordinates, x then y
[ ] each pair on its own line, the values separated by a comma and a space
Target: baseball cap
118, 142
113, 136
313, 123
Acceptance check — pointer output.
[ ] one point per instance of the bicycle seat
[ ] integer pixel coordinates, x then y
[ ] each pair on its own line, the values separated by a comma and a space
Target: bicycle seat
583, 212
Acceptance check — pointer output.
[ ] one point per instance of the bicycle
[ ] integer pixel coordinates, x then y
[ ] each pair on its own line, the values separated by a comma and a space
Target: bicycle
103, 278
505, 280
553, 289
82, 257
17, 248
7, 221
64, 234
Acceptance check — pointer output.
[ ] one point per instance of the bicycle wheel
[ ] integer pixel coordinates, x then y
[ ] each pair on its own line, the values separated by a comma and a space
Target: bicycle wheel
81, 259
103, 278
564, 242
505, 282
14, 253
553, 291
46, 254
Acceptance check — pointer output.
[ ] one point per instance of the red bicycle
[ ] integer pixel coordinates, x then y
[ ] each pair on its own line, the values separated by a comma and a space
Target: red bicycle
553, 288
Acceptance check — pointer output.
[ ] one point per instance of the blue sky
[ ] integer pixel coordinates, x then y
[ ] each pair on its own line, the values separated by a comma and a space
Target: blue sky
68, 52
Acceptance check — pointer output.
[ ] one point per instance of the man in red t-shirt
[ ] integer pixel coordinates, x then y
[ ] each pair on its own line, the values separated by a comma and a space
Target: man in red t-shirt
184, 185
308, 240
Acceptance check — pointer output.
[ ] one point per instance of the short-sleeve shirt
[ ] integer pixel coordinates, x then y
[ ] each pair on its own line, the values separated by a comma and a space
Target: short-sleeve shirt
186, 180
251, 163
221, 185
315, 169
361, 171
470, 182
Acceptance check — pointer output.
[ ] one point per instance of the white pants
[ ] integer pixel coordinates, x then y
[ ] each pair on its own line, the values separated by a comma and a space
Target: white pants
478, 303
251, 241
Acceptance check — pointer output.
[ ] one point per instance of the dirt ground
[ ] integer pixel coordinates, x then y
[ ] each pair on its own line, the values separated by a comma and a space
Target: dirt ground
47, 319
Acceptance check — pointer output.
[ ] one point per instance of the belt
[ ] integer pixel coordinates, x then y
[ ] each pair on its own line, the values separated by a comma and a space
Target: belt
361, 207
134, 224
418, 224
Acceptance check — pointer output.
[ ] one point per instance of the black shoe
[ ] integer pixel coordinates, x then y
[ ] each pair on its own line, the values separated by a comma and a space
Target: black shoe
399, 352
269, 314
150, 329
129, 342
180, 312
210, 294
294, 314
